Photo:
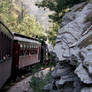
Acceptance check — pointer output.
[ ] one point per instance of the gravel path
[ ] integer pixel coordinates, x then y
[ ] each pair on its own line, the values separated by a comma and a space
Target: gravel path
22, 86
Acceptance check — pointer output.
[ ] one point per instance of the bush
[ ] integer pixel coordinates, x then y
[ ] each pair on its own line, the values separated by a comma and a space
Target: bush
36, 68
37, 84
39, 67
90, 1
89, 18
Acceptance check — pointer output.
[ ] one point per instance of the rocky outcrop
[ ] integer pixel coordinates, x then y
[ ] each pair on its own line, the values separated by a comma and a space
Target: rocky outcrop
73, 72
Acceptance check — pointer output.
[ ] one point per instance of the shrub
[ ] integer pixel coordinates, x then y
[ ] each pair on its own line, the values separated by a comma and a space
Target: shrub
37, 84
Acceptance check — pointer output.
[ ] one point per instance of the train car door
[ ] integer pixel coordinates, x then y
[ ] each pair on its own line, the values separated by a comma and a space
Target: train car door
15, 63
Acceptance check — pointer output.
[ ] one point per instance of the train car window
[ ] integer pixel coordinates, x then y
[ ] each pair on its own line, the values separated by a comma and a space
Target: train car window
27, 46
36, 46
21, 46
27, 52
24, 52
30, 47
33, 51
21, 52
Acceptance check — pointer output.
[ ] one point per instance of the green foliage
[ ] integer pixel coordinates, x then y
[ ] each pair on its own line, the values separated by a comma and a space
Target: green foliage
37, 83
48, 78
52, 34
17, 19
29, 26
88, 19
90, 1
38, 67
52, 57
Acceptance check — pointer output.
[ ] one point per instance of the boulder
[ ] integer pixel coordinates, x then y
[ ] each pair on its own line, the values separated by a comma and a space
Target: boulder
83, 74
73, 14
48, 87
73, 49
86, 89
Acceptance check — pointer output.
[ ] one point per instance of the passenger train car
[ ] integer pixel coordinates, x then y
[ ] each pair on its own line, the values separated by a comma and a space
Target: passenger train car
18, 52
6, 42
26, 52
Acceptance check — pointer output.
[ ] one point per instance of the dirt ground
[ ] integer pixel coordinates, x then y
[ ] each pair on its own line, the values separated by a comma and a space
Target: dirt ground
24, 86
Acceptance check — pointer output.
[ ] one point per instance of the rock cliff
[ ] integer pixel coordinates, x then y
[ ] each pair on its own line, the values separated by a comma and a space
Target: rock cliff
73, 72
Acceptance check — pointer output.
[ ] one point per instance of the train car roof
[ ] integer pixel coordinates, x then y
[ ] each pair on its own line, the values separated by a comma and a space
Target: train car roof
24, 38
6, 30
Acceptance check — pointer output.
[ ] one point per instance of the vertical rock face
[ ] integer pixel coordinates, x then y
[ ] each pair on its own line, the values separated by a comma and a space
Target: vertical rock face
73, 72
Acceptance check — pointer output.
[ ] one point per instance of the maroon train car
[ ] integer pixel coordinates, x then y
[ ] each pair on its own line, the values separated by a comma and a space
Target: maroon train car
6, 42
26, 52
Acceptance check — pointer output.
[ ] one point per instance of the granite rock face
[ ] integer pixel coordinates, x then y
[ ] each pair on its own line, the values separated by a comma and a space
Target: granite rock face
73, 72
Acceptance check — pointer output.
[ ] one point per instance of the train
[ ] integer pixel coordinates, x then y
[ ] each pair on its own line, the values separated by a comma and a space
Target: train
18, 52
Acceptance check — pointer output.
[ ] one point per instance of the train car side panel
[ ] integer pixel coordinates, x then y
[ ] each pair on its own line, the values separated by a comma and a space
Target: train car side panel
29, 55
6, 41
